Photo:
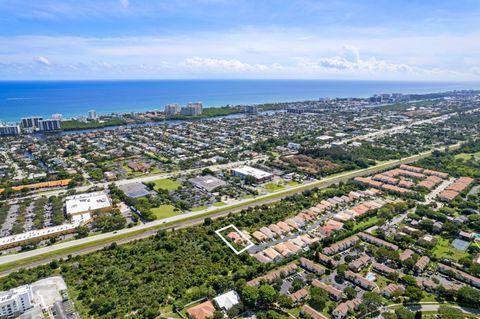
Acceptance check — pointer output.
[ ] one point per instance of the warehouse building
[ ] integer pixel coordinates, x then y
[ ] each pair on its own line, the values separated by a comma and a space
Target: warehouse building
259, 175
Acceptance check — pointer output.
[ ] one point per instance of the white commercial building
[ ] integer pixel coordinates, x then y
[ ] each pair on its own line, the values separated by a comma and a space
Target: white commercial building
15, 301
259, 175
36, 235
80, 207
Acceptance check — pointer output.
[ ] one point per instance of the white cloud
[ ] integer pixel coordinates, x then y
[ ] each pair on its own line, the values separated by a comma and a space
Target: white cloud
245, 53
350, 61
222, 65
125, 3
42, 60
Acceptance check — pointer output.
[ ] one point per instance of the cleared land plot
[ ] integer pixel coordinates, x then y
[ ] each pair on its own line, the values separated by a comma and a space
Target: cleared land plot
444, 249
165, 211
272, 187
167, 184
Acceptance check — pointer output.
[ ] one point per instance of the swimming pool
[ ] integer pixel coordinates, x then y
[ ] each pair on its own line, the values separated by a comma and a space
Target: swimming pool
371, 276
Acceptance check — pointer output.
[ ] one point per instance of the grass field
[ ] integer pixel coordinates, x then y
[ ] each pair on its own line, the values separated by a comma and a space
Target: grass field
199, 208
164, 211
366, 223
272, 187
467, 156
444, 249
219, 204
167, 184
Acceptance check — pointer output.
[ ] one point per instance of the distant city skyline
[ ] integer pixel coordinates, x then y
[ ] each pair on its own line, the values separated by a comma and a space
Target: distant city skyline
216, 39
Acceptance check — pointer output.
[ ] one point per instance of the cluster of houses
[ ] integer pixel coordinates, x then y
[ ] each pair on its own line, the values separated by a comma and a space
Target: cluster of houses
458, 186
298, 223
404, 179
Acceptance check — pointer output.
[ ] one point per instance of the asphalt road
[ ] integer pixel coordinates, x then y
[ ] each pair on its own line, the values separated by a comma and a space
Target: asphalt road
179, 220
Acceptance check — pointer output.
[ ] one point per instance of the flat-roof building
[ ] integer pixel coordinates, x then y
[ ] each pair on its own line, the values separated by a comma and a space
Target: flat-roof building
207, 182
259, 175
80, 207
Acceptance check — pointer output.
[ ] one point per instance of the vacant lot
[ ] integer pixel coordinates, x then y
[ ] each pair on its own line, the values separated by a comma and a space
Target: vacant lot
167, 184
272, 187
165, 211
309, 164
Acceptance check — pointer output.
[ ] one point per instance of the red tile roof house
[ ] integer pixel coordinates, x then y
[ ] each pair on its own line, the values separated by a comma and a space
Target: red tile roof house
359, 280
259, 236
284, 227
277, 230
283, 250
391, 288
377, 241
334, 293
267, 232
235, 237
291, 246
307, 310
406, 254
383, 269
326, 260
359, 263
460, 275
422, 263
202, 311
299, 295
270, 277
344, 308
312, 266
341, 245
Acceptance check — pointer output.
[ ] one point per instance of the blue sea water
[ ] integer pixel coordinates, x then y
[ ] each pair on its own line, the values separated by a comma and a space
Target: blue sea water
73, 98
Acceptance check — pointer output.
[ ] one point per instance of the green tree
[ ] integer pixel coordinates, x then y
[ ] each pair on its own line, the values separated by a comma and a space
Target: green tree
414, 294
469, 297
249, 295
404, 313
318, 298
372, 300
446, 312
350, 292
267, 294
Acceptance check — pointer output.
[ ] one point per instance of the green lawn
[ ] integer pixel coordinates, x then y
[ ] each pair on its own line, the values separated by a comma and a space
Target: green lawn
381, 281
164, 211
467, 156
199, 208
167, 184
272, 187
366, 223
219, 204
444, 249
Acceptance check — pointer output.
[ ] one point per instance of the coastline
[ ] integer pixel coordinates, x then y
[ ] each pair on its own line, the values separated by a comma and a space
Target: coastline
74, 98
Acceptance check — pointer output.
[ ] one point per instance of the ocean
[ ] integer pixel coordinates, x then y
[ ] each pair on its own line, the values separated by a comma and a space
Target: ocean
73, 98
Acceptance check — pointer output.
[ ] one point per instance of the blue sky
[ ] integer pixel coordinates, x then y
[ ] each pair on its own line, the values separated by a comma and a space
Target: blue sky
341, 39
